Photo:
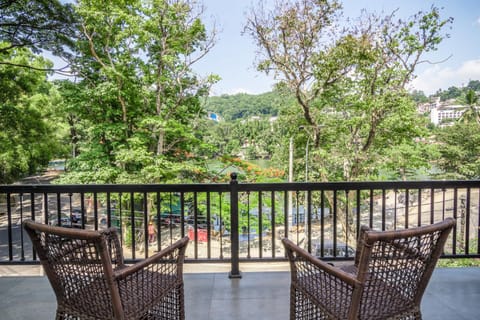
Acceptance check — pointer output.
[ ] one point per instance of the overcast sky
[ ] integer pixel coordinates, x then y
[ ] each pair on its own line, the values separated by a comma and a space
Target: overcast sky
233, 56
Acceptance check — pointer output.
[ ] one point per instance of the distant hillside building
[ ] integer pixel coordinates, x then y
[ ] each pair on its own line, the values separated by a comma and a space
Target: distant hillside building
447, 113
442, 113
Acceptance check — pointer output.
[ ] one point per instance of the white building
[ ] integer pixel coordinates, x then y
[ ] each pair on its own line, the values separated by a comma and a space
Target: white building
441, 113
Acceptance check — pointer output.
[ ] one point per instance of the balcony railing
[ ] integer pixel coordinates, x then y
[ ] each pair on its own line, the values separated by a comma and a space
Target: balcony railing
236, 222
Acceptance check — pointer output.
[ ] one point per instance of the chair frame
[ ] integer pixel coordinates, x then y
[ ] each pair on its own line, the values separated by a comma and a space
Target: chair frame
87, 272
387, 280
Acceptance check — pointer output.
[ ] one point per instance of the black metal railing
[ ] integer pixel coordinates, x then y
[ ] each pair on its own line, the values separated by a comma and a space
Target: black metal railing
236, 222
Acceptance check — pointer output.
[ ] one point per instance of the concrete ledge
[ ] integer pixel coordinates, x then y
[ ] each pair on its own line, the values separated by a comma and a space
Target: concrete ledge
21, 271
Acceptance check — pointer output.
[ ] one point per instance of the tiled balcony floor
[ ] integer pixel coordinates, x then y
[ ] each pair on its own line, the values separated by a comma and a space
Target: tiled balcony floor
260, 294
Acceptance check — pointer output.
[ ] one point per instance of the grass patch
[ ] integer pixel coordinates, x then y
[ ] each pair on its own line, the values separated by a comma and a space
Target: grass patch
460, 262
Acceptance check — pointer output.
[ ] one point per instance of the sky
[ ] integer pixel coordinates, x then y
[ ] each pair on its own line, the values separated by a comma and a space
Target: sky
233, 56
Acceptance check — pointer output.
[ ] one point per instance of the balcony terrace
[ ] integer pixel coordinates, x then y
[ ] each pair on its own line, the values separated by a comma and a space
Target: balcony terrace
235, 265
262, 293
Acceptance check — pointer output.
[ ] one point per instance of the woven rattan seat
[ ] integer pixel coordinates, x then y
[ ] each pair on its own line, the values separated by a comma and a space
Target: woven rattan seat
387, 280
87, 273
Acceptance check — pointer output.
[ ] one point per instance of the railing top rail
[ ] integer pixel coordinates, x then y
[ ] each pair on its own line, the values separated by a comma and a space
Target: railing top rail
225, 187
126, 188
359, 185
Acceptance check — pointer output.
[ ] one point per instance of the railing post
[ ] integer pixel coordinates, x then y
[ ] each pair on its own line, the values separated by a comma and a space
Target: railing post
235, 271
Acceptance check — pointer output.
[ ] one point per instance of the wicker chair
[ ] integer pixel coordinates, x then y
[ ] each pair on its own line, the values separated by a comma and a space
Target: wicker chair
90, 280
386, 281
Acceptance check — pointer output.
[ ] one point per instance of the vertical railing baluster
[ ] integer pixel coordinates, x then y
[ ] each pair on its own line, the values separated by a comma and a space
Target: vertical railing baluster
32, 211
383, 210
432, 206
286, 213
297, 215
467, 223
335, 221
370, 216
120, 221
260, 225
82, 208
248, 224
22, 248
220, 195
159, 222
70, 208
347, 220
146, 221
59, 211
407, 208
109, 210
209, 226
132, 227
182, 213
419, 216
45, 207
322, 222
195, 224
454, 231
9, 227
95, 210
358, 217
308, 212
235, 271
273, 223
478, 222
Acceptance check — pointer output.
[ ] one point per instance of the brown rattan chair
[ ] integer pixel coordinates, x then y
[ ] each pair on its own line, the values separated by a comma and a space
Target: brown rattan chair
90, 280
386, 281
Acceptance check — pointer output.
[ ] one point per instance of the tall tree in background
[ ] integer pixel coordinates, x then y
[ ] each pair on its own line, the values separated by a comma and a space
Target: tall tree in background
350, 83
140, 98
288, 40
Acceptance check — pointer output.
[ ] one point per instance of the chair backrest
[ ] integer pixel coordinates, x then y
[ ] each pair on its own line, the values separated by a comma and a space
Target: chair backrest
78, 264
401, 261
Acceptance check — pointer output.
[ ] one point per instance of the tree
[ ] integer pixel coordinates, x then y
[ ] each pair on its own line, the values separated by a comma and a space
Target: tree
288, 39
350, 83
37, 25
459, 147
471, 114
27, 138
419, 96
140, 98
450, 93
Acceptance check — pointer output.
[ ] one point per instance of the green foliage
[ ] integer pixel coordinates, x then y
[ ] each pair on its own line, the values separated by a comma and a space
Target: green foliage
458, 94
136, 113
350, 86
459, 263
242, 105
419, 96
459, 147
37, 25
27, 138
139, 102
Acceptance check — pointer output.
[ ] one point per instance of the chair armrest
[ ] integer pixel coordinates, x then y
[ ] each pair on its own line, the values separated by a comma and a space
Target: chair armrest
360, 244
154, 281
296, 253
173, 255
333, 291
114, 247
